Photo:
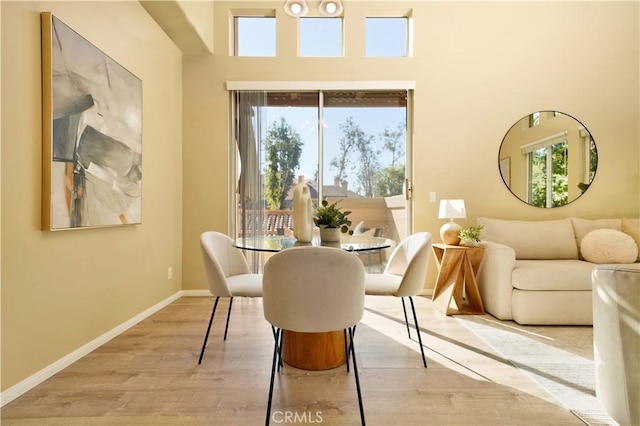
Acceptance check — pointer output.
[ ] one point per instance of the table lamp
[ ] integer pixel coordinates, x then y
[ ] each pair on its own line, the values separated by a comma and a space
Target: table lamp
451, 209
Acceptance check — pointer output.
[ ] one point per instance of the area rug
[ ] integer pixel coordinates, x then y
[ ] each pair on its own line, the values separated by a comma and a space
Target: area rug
567, 377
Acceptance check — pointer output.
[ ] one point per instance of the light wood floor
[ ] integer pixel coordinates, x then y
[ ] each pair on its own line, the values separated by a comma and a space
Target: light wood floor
150, 375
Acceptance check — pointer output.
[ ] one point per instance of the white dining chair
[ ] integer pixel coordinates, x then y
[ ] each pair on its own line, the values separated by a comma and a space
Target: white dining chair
313, 290
228, 275
404, 276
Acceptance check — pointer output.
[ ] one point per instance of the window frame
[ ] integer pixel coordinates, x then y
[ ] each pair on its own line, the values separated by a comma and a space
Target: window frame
393, 13
549, 147
234, 34
406, 37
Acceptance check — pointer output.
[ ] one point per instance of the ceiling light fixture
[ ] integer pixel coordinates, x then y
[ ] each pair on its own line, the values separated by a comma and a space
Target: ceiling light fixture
331, 8
296, 8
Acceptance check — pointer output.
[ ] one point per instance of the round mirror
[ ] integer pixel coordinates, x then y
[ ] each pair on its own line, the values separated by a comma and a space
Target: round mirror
548, 159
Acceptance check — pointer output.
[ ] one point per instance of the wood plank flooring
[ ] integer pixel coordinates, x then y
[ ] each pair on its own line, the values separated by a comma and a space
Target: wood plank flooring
150, 375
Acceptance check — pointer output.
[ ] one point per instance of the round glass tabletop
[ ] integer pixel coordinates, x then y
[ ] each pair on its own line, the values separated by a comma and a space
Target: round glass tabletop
275, 243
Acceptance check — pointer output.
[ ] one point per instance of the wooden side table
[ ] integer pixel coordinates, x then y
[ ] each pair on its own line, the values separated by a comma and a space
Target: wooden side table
456, 290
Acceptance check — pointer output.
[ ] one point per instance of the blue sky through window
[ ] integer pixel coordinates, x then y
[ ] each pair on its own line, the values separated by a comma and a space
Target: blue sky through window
322, 37
304, 120
256, 36
386, 37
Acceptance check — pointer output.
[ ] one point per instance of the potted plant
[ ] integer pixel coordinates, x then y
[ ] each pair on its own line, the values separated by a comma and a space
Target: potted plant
332, 221
470, 236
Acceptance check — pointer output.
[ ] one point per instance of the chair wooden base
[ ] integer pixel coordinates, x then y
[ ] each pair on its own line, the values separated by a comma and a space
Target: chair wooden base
314, 351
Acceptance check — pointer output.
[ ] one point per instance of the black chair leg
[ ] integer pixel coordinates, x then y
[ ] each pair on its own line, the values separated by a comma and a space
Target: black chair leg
276, 355
349, 347
206, 336
415, 319
346, 348
355, 372
406, 320
280, 347
275, 338
226, 327
279, 343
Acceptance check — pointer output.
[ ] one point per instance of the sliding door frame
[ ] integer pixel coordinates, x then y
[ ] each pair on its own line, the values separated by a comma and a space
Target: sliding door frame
320, 86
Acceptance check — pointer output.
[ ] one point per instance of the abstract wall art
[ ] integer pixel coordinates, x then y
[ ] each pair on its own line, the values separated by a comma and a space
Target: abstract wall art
92, 134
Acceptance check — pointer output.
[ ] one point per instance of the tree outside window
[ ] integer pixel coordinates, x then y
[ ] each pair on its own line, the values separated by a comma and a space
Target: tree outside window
283, 148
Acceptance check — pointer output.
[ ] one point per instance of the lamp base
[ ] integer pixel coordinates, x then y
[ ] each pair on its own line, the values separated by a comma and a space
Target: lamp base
450, 232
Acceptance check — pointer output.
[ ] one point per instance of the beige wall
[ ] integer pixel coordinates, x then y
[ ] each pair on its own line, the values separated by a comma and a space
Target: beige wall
60, 290
200, 14
478, 67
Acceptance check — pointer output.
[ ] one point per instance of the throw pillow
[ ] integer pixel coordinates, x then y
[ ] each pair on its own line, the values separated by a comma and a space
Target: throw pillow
582, 227
608, 246
632, 227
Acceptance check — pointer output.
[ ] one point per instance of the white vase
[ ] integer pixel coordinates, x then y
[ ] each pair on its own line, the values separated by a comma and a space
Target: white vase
302, 212
330, 234
468, 243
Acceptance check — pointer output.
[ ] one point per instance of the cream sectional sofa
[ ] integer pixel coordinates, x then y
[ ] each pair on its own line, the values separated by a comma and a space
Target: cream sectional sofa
533, 271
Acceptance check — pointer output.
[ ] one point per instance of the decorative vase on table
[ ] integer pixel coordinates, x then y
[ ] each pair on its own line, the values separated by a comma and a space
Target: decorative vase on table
330, 235
302, 212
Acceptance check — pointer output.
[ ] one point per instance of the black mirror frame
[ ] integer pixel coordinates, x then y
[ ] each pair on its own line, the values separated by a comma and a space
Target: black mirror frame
506, 162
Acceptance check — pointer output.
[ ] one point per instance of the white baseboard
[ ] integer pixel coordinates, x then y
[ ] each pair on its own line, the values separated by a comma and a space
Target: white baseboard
30, 382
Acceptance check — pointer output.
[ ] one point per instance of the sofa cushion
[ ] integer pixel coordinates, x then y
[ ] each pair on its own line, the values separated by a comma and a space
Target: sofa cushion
582, 227
546, 239
552, 307
555, 275
608, 246
631, 227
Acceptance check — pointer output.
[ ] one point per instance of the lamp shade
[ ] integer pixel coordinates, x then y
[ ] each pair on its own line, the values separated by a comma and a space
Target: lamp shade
452, 209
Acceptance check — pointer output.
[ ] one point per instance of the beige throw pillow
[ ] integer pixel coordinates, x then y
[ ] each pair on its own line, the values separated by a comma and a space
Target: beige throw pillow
582, 227
608, 246
631, 227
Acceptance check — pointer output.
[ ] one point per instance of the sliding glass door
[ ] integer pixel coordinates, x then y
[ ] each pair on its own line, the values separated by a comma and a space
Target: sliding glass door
348, 146
364, 140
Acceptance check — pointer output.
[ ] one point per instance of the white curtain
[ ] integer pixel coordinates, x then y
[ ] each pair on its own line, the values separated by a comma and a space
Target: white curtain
250, 113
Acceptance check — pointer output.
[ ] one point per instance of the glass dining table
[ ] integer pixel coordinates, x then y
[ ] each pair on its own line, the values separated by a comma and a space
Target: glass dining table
315, 351
276, 243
